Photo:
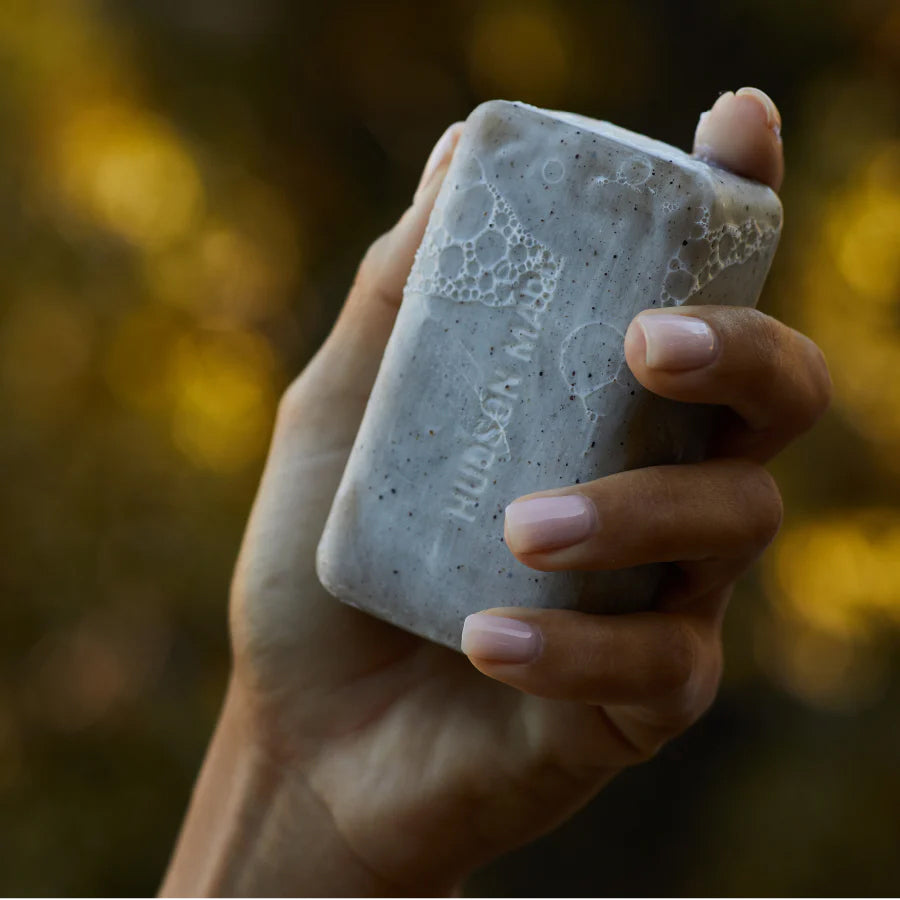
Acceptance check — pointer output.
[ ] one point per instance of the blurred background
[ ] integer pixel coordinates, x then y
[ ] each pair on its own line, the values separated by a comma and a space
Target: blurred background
186, 187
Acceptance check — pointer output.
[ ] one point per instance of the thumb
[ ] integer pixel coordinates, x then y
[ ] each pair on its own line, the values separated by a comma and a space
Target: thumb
742, 132
339, 378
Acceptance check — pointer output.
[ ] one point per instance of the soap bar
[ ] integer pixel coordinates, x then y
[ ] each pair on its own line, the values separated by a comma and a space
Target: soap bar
505, 371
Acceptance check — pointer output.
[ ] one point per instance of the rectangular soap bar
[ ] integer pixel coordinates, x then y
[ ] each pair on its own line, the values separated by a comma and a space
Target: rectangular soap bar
505, 372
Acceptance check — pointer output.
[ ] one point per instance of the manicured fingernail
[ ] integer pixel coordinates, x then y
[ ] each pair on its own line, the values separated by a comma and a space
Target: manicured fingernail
499, 639
442, 150
549, 523
677, 342
773, 117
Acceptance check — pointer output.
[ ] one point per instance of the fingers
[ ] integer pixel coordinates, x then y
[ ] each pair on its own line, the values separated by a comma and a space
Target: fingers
368, 316
724, 509
338, 380
742, 132
774, 378
668, 663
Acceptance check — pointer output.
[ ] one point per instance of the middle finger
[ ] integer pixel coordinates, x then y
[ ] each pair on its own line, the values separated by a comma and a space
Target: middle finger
774, 378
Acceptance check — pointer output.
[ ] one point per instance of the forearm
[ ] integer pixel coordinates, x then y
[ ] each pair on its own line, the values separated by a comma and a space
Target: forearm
255, 829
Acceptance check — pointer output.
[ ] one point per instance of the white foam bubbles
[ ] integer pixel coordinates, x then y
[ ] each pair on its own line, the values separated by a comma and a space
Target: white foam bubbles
478, 251
707, 252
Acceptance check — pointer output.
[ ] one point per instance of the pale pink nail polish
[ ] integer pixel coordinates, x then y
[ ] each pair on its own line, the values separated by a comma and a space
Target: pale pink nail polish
773, 117
549, 523
499, 639
677, 343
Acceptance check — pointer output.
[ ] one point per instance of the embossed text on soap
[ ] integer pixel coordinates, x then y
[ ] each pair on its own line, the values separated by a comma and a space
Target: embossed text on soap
497, 402
476, 251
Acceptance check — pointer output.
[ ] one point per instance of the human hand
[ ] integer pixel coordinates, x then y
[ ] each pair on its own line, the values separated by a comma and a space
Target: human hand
353, 757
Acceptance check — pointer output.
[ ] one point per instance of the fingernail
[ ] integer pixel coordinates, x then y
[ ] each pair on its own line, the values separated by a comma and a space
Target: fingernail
677, 342
500, 639
549, 523
442, 149
773, 117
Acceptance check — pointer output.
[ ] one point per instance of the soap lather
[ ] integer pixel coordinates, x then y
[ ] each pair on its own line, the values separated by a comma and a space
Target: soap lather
505, 372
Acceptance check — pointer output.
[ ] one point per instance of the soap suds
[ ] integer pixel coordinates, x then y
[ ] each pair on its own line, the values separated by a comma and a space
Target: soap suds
476, 250
707, 252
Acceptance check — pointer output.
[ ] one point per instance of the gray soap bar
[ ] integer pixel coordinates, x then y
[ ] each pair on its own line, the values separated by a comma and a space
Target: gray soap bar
505, 371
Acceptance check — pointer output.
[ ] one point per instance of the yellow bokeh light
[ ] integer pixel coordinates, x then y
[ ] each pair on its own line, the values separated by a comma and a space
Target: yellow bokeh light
820, 668
128, 172
224, 397
223, 275
521, 51
850, 290
239, 267
865, 229
834, 584
60, 54
842, 574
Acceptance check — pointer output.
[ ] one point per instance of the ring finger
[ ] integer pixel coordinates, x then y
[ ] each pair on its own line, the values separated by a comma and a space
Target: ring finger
724, 509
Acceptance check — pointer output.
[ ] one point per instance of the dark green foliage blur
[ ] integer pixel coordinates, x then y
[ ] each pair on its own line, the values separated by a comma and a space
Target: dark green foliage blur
185, 189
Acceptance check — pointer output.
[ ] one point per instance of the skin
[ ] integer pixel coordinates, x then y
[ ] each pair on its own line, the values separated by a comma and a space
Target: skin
351, 757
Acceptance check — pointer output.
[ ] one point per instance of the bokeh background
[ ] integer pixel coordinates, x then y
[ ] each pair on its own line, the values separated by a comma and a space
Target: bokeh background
185, 189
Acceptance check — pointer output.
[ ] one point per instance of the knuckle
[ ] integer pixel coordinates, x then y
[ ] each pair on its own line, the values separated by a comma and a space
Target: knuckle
658, 489
289, 404
768, 351
819, 383
371, 262
374, 256
768, 508
677, 666
692, 679
758, 507
767, 338
369, 278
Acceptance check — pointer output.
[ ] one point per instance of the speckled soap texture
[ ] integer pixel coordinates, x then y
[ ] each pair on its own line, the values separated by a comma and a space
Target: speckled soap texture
505, 371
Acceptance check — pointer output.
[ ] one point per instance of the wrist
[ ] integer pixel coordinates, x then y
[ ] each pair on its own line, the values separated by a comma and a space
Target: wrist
254, 827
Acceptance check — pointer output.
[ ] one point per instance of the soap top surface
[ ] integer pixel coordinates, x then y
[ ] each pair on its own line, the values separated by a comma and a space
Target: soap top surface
657, 152
531, 191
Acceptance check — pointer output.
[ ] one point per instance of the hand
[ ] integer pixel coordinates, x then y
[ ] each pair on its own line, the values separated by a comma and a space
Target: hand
353, 757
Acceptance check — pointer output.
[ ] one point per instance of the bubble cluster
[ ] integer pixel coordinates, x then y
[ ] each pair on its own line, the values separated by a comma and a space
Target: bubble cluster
634, 172
476, 251
706, 253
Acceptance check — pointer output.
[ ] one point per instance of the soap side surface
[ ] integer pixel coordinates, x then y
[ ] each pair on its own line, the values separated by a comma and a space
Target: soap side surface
505, 372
